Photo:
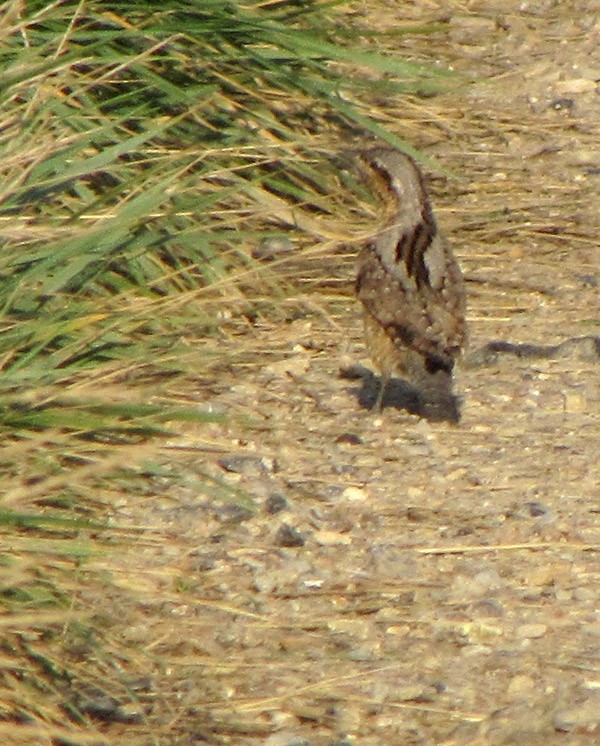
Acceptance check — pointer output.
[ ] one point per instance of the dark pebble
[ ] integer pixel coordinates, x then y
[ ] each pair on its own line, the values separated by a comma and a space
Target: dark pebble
275, 504
588, 280
350, 438
560, 104
415, 514
233, 514
535, 508
288, 536
529, 509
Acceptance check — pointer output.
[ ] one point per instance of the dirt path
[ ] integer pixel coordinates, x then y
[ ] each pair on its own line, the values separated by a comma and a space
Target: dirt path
405, 582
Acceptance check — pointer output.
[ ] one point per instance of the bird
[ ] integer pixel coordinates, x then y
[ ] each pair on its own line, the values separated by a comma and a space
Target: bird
411, 289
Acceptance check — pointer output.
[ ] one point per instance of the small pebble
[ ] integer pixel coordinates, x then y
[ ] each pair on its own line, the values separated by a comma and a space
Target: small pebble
535, 508
232, 514
416, 514
288, 536
562, 104
331, 538
355, 494
247, 465
275, 504
530, 509
527, 631
351, 438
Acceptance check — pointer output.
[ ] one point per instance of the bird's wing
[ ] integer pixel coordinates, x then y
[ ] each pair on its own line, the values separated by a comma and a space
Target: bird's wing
425, 319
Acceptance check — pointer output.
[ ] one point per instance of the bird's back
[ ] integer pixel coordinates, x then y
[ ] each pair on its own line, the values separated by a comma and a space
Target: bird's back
409, 281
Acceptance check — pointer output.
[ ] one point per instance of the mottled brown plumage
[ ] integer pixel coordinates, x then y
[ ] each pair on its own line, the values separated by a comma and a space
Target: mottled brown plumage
411, 288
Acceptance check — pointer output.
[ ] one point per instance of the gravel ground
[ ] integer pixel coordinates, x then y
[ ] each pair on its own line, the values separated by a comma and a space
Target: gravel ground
400, 581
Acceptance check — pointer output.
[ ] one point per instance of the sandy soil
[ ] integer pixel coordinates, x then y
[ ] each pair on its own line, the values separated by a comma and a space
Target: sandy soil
400, 581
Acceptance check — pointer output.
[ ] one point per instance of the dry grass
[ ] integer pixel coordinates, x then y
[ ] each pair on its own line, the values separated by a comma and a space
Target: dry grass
109, 500
141, 164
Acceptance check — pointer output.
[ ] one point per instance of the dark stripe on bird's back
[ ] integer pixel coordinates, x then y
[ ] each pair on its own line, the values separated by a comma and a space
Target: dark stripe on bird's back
434, 363
404, 333
411, 248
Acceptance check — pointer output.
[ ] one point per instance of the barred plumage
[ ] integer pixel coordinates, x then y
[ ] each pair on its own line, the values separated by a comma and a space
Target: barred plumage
411, 288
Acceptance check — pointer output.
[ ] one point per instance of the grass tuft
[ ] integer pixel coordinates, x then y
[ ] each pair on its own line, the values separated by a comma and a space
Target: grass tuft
144, 154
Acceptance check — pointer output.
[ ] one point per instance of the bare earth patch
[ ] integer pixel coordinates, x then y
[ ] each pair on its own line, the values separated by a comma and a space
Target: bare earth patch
382, 579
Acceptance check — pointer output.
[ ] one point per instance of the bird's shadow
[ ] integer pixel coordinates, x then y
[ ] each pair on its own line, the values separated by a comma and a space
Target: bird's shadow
399, 394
